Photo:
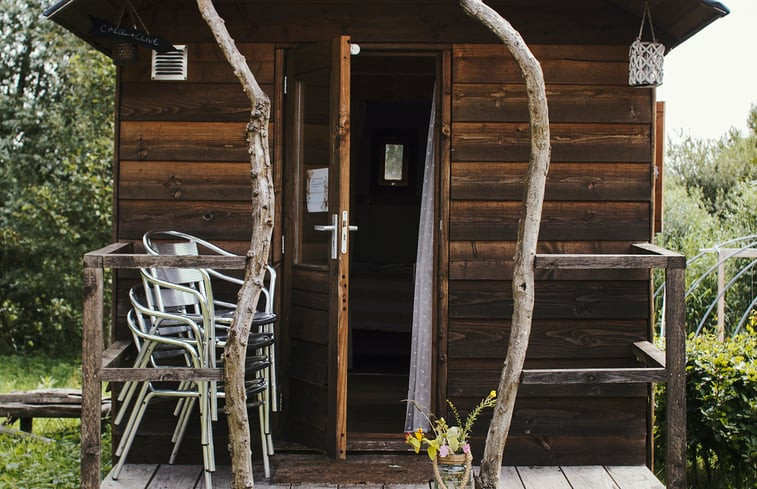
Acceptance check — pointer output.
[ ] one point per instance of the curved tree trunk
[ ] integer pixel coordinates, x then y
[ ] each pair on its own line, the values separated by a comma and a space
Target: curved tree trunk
257, 256
528, 231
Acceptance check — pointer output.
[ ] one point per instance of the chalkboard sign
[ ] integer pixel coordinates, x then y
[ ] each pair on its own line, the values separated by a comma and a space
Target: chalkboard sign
106, 29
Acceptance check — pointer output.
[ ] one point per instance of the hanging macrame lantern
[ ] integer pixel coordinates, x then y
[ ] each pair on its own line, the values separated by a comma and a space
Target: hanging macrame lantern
124, 53
645, 58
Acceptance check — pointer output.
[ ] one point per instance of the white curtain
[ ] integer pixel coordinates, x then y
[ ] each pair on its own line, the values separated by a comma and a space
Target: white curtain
419, 386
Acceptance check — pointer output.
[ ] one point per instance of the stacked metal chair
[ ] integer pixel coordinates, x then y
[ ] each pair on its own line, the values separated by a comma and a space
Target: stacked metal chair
175, 315
261, 345
159, 336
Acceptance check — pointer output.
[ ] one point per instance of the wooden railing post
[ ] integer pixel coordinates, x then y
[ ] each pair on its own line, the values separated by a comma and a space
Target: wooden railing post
92, 348
675, 350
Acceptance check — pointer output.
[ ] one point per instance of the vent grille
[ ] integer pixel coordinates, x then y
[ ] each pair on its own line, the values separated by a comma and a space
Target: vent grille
171, 65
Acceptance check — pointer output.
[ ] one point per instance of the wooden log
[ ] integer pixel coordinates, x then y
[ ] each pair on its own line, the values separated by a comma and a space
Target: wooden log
569, 261
133, 261
593, 375
675, 357
161, 374
675, 260
649, 354
92, 346
115, 352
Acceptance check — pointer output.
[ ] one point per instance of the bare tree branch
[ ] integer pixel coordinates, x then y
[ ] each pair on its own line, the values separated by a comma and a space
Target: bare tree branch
257, 256
528, 232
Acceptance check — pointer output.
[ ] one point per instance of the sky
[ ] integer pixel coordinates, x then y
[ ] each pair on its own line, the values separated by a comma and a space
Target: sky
710, 81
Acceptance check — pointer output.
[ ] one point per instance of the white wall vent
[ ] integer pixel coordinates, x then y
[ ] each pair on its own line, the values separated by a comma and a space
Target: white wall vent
171, 65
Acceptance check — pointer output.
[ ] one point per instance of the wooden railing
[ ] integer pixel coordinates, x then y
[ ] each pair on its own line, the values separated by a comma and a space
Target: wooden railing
669, 367
97, 363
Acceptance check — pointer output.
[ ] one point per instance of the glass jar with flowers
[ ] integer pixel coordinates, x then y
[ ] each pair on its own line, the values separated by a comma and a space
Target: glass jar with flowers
447, 446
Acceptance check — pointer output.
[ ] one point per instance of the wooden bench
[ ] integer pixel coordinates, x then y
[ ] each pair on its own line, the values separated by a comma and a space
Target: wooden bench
44, 403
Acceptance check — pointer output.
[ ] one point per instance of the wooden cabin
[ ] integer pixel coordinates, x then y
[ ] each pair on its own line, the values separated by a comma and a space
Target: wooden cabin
350, 80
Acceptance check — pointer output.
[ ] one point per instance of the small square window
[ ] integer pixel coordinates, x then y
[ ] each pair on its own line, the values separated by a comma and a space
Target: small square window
394, 167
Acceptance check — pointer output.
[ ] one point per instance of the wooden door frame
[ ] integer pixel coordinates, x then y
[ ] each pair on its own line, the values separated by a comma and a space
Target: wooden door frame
339, 272
442, 178
338, 333
334, 332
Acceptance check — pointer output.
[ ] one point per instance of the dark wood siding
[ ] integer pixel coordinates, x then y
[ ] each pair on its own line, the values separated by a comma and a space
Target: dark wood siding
182, 163
597, 201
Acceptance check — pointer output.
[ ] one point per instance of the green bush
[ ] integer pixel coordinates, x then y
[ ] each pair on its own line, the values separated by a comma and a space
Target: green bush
721, 409
56, 153
50, 458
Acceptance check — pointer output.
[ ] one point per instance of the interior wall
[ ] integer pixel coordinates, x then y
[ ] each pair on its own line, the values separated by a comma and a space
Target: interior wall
387, 96
391, 97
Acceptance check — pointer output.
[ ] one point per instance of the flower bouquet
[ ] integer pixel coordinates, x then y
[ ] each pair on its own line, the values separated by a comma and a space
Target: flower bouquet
449, 444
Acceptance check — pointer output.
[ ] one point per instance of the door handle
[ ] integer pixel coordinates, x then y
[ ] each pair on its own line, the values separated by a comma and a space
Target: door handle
332, 228
345, 229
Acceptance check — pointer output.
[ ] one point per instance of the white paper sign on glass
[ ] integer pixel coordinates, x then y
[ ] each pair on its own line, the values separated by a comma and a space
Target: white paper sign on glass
317, 190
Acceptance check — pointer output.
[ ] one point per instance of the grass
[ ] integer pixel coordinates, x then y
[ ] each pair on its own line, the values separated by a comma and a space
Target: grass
50, 458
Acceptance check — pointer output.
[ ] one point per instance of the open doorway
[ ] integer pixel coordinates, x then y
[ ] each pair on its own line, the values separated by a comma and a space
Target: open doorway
390, 108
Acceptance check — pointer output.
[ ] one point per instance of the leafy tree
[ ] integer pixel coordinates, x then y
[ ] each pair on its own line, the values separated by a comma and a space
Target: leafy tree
716, 167
56, 106
711, 197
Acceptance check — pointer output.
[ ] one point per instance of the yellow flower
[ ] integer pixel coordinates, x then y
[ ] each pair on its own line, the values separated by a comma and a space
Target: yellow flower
419, 434
493, 394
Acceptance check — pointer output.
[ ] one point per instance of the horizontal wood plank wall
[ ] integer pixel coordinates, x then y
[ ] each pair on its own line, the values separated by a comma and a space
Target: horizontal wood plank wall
597, 201
416, 21
307, 368
184, 165
183, 149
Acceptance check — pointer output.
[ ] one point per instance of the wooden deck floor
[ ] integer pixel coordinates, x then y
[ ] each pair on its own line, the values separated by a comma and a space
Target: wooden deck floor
538, 477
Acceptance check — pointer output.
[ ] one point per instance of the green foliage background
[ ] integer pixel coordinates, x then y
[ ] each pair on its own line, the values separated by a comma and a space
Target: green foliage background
53, 459
711, 197
56, 133
721, 410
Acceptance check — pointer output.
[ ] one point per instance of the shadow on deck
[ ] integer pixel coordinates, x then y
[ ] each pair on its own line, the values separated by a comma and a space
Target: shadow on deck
312, 471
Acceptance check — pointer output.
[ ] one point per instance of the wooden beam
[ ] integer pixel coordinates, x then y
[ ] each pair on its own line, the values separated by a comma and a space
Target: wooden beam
182, 261
675, 260
92, 346
649, 354
675, 357
161, 374
115, 352
94, 258
582, 261
593, 375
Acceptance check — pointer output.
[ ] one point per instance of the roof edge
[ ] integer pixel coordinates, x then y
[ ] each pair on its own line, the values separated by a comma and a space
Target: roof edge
57, 7
713, 4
